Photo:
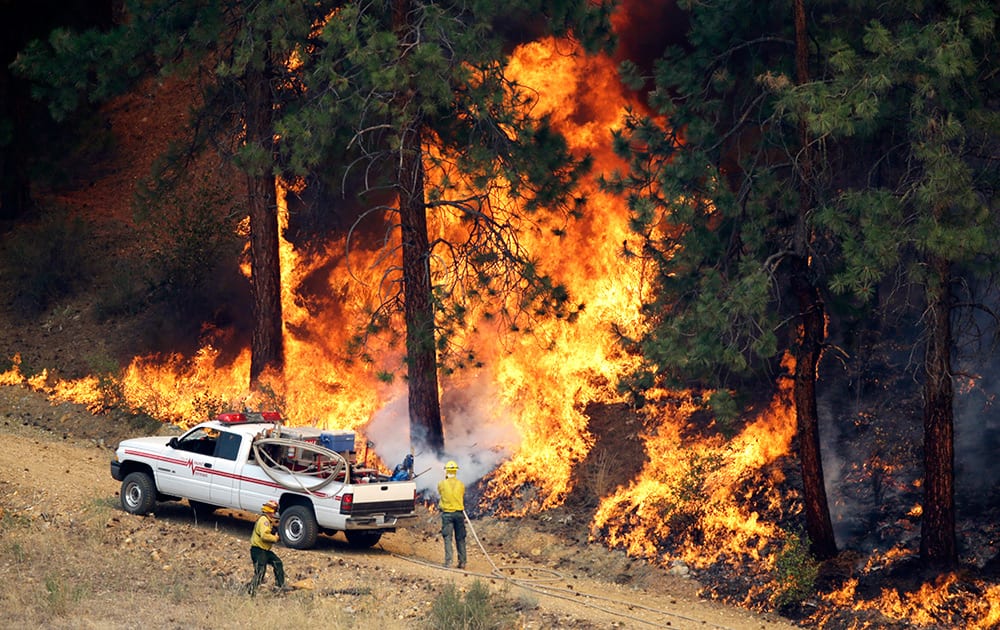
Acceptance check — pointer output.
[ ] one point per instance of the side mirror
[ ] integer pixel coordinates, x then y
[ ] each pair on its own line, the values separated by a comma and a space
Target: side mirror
172, 443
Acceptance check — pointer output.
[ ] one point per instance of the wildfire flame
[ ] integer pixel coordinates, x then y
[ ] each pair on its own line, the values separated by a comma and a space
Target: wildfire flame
683, 482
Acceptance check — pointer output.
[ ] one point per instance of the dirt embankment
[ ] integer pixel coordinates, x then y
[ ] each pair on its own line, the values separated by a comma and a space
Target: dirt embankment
74, 559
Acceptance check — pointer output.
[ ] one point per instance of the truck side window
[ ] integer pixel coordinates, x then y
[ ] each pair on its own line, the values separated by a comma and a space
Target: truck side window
200, 441
227, 446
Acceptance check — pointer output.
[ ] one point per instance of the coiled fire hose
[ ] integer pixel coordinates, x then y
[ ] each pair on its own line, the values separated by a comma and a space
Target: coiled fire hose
271, 466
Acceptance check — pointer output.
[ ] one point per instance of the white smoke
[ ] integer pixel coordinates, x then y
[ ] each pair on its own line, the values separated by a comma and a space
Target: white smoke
478, 434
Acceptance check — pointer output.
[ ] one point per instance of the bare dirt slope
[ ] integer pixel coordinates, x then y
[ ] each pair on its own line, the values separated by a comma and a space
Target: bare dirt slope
71, 558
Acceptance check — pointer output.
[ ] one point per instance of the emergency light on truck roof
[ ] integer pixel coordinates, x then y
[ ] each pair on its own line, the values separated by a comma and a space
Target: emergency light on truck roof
234, 417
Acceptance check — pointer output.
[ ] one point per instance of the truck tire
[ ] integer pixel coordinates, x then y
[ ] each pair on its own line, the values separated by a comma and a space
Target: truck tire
138, 494
298, 528
362, 538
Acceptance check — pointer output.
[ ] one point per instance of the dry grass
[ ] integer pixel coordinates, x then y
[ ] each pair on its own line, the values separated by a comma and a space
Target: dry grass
81, 570
69, 575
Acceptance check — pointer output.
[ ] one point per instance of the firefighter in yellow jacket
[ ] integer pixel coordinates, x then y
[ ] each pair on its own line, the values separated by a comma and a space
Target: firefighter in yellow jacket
452, 505
261, 541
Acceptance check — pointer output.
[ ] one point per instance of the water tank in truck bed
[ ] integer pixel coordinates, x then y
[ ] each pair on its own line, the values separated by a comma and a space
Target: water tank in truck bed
339, 441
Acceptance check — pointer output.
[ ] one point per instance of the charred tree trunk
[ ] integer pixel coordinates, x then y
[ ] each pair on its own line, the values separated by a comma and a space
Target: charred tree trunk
808, 352
938, 549
266, 345
812, 333
418, 308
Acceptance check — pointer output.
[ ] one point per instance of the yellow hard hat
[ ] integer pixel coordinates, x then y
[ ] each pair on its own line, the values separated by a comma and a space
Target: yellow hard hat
270, 507
451, 466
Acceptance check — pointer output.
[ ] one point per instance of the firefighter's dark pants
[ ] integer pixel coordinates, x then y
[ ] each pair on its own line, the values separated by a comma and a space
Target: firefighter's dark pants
261, 558
453, 526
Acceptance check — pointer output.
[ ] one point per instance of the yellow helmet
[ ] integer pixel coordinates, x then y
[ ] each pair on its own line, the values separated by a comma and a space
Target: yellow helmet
451, 466
271, 507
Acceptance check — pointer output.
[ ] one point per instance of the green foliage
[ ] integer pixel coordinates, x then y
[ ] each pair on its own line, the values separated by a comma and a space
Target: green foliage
126, 291
15, 551
901, 126
726, 409
189, 236
478, 609
711, 198
142, 422
795, 571
71, 69
62, 596
914, 107
690, 488
47, 260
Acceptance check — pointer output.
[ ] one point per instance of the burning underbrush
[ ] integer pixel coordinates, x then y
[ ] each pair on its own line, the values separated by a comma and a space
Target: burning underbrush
662, 484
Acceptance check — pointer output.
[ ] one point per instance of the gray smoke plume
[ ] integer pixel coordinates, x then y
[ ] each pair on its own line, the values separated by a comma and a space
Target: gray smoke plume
479, 435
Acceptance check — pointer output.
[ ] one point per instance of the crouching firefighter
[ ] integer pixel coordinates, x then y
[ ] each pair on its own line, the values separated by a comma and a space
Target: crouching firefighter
261, 541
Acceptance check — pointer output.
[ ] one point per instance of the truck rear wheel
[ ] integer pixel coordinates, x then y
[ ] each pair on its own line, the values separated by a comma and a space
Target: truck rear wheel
138, 494
298, 528
362, 538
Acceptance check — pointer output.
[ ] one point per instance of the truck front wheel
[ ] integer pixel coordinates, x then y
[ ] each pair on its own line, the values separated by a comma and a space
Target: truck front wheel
298, 528
138, 494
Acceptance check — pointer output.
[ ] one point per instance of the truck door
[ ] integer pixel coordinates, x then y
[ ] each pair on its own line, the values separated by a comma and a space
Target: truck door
225, 480
188, 472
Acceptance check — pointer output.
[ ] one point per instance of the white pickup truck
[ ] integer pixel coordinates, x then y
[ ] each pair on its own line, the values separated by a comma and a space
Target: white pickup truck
243, 460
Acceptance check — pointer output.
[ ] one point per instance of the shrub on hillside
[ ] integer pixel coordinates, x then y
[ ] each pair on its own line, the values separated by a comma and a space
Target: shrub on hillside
47, 260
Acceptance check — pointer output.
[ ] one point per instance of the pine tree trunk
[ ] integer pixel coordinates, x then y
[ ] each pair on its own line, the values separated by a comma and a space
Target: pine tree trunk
266, 344
812, 332
418, 308
938, 549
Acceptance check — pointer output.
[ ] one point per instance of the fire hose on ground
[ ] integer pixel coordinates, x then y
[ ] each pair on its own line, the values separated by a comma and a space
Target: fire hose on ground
537, 585
272, 467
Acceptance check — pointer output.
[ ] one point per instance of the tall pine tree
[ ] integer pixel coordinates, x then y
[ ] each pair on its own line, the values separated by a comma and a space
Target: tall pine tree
433, 118
722, 185
910, 95
238, 51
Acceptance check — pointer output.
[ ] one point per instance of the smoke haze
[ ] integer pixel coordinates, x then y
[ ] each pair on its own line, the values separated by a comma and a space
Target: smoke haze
474, 441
